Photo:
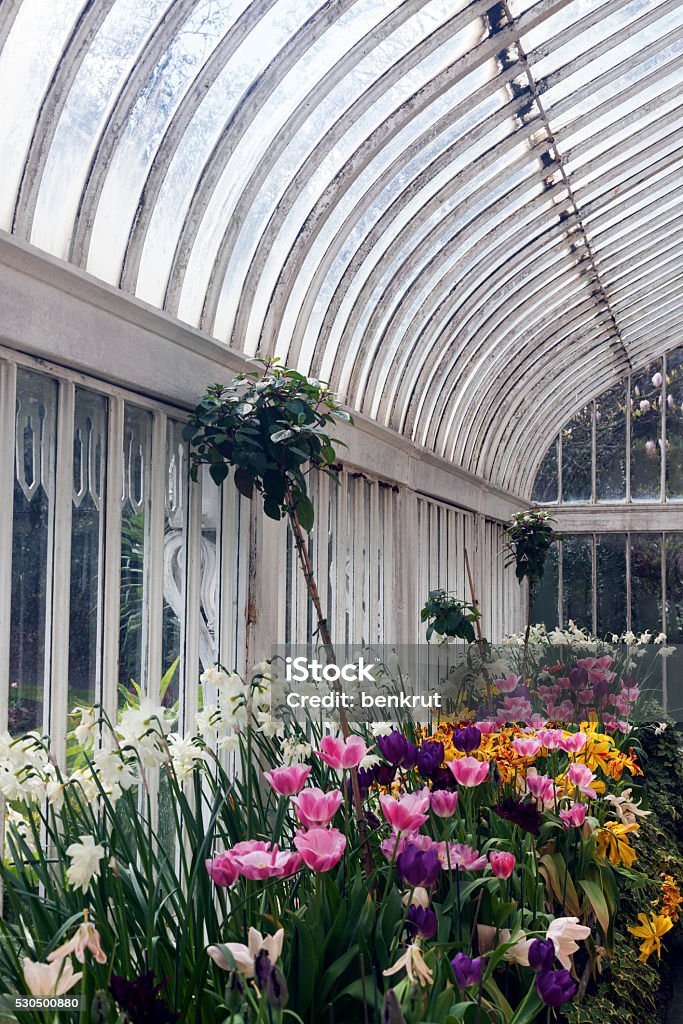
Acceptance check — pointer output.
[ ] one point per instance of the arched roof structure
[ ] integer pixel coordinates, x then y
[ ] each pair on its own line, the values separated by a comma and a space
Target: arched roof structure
466, 216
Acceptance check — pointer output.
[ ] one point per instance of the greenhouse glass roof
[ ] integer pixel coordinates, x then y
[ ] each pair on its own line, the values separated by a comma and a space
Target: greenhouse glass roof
467, 216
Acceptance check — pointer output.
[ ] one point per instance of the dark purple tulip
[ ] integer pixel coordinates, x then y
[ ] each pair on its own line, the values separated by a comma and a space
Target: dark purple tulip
555, 987
385, 774
578, 678
526, 815
467, 971
410, 759
418, 867
542, 954
443, 778
421, 921
467, 739
373, 821
429, 758
277, 992
601, 689
366, 777
396, 749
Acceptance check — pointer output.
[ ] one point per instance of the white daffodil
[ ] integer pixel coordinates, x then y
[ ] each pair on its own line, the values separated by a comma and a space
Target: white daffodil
85, 862
381, 728
415, 967
244, 956
213, 676
185, 755
85, 730
113, 770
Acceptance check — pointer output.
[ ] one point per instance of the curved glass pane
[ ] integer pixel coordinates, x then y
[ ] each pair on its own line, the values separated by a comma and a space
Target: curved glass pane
577, 457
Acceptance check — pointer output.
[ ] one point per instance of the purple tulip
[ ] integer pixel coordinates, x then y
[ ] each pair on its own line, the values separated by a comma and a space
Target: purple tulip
526, 815
555, 987
443, 778
418, 867
366, 777
578, 678
542, 954
421, 921
397, 750
467, 971
385, 774
429, 758
467, 739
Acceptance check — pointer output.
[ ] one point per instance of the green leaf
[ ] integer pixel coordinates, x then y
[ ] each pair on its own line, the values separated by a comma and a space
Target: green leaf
218, 472
305, 512
597, 900
244, 482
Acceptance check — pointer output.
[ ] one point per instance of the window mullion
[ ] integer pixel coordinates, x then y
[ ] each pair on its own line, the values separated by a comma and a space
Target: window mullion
111, 597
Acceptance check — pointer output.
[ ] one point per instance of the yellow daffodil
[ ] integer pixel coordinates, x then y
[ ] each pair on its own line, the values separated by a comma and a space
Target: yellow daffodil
651, 930
613, 842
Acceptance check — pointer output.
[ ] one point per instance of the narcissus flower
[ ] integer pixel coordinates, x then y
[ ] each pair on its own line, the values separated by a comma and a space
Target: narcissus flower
288, 780
650, 930
320, 848
340, 753
469, 772
85, 862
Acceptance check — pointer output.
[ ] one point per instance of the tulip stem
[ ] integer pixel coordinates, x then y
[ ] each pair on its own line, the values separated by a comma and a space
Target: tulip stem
326, 637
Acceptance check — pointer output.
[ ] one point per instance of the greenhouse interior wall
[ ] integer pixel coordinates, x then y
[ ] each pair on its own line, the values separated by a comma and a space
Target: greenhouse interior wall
453, 228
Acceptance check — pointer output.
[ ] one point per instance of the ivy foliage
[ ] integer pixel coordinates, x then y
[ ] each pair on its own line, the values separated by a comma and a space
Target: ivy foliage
268, 426
530, 536
447, 616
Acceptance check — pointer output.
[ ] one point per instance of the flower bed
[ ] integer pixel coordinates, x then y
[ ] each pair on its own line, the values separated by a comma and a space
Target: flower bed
225, 876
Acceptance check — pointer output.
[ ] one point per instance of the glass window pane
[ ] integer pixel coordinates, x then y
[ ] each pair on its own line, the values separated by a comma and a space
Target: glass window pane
610, 453
174, 559
87, 539
544, 602
31, 548
610, 560
576, 457
674, 588
674, 425
209, 570
646, 582
135, 521
545, 484
577, 579
646, 433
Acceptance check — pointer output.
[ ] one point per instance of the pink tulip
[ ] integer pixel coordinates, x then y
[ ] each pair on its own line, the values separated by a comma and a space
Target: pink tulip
502, 863
468, 771
573, 743
408, 813
488, 726
444, 803
289, 779
575, 815
391, 848
581, 776
507, 684
287, 863
550, 738
541, 786
260, 864
460, 856
223, 869
316, 809
527, 746
320, 848
340, 753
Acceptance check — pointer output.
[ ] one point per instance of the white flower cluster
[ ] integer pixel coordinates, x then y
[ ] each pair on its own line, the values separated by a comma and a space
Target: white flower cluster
236, 702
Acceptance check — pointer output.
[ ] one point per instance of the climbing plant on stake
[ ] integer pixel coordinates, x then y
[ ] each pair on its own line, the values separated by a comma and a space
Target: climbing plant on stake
270, 427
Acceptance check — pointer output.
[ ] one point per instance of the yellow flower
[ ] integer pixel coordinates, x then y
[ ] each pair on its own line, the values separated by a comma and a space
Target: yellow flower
651, 931
613, 842
671, 898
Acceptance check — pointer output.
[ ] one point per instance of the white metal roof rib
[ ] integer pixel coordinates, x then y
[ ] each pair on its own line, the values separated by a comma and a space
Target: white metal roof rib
466, 215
